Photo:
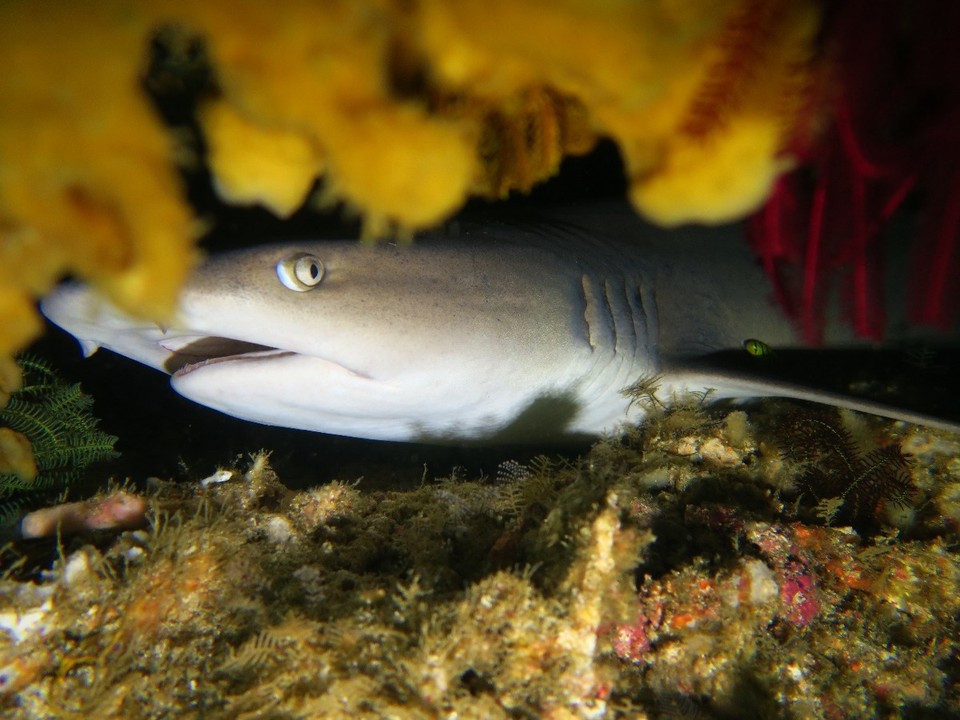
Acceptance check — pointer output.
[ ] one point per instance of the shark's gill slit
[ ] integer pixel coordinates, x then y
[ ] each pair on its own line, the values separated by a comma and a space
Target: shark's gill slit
611, 291
638, 315
598, 315
586, 290
631, 337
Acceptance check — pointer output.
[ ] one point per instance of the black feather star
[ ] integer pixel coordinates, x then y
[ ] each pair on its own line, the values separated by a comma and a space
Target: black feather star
848, 482
56, 418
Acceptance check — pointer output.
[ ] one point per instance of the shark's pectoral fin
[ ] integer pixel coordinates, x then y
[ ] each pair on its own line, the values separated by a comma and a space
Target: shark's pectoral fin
879, 382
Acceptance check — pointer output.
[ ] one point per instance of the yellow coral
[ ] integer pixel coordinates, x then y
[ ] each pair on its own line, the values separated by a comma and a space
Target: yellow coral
16, 454
728, 149
321, 71
87, 182
277, 168
11, 379
404, 109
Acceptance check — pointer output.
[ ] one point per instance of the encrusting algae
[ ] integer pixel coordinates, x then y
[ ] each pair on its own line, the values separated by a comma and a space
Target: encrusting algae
673, 572
402, 109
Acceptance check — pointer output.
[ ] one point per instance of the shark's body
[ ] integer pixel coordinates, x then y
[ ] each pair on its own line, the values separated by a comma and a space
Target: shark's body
503, 332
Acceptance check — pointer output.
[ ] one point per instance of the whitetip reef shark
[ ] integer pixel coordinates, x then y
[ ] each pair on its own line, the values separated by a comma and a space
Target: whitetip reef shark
492, 332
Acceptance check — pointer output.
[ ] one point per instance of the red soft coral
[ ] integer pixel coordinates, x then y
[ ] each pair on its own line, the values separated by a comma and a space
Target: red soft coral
893, 133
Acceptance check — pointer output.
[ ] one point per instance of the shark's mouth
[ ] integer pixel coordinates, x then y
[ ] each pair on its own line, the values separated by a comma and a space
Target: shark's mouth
203, 351
195, 353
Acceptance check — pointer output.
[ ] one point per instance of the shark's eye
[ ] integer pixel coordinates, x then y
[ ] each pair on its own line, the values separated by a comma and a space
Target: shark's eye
300, 272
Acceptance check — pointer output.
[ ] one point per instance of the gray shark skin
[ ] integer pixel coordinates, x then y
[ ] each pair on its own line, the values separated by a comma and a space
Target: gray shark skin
480, 333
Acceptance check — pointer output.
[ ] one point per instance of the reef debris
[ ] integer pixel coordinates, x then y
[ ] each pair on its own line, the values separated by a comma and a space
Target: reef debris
116, 511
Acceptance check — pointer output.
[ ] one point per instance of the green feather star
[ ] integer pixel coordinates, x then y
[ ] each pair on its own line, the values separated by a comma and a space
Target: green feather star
56, 418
